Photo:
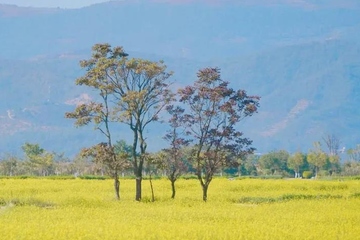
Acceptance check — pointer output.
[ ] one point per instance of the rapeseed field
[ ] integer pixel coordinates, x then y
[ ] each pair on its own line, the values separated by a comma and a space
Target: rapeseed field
238, 209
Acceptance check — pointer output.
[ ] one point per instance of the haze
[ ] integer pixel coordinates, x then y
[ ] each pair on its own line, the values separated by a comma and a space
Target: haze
52, 4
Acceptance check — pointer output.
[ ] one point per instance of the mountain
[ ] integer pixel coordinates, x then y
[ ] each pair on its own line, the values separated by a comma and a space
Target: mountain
302, 59
308, 91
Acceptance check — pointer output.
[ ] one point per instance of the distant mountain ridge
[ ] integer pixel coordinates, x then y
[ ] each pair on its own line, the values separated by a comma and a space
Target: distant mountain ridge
304, 63
9, 11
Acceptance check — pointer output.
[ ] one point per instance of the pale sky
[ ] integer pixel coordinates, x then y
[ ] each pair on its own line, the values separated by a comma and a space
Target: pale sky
82, 3
52, 3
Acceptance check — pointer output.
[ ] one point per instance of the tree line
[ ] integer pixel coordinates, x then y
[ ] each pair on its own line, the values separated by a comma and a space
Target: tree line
174, 163
39, 162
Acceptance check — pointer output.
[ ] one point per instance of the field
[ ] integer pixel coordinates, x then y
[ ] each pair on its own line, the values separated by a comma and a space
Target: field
238, 209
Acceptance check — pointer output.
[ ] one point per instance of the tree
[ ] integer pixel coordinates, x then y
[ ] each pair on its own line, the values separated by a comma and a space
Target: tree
100, 113
38, 159
80, 165
122, 149
212, 110
105, 155
248, 165
142, 91
295, 162
62, 164
354, 153
334, 161
333, 143
317, 157
172, 159
274, 161
139, 89
9, 165
151, 168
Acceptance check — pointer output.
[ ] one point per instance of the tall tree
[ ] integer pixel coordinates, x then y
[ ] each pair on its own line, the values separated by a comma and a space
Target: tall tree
100, 113
140, 90
212, 110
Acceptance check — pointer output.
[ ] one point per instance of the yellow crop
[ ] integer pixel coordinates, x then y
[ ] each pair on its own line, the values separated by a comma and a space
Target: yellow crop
239, 209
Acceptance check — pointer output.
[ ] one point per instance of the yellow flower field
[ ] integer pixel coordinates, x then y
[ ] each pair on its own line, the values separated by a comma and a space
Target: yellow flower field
238, 209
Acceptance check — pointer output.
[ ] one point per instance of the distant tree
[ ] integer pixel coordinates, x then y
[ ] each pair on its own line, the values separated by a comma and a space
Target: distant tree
332, 143
62, 164
354, 153
123, 149
9, 165
317, 157
274, 162
351, 168
249, 165
295, 162
140, 91
38, 159
212, 110
334, 161
81, 165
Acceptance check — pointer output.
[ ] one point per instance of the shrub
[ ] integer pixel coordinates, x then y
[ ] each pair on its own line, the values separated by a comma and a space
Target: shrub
188, 177
307, 174
93, 177
266, 177
60, 177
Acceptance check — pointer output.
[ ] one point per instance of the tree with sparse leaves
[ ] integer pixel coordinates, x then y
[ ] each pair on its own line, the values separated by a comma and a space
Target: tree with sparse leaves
212, 111
142, 90
105, 155
139, 90
173, 159
100, 113
332, 143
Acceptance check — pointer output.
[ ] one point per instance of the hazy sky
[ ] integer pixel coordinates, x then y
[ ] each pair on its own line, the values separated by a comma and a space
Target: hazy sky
310, 4
52, 3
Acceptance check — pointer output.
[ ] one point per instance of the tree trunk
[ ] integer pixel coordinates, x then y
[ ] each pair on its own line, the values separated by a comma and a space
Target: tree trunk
173, 189
152, 189
117, 186
205, 189
138, 188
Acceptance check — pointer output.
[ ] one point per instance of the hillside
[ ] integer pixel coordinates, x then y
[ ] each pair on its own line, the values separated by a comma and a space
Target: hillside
307, 91
305, 64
